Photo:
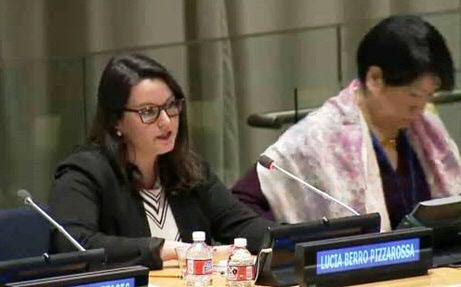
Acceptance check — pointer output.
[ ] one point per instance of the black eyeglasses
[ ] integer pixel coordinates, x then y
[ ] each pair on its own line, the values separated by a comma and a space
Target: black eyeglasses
150, 114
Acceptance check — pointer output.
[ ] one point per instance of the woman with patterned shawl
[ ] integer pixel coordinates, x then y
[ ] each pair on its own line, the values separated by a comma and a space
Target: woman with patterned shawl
375, 146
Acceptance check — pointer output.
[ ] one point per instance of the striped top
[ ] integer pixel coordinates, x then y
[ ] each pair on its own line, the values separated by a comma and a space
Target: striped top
159, 215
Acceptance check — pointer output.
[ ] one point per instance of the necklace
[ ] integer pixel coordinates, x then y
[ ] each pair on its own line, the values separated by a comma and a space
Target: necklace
389, 143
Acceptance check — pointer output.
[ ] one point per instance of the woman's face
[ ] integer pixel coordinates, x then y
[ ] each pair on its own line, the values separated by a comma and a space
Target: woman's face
398, 107
152, 137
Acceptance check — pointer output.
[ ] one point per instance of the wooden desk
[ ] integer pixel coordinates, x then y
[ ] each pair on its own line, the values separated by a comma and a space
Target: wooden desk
439, 277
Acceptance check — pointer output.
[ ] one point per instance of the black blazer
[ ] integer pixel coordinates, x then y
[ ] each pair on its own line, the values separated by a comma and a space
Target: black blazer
94, 201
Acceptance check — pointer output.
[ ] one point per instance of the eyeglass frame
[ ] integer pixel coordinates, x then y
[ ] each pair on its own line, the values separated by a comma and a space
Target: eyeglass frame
179, 105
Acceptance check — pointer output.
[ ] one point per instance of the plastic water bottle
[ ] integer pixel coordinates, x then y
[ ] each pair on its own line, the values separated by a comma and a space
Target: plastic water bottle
199, 260
240, 266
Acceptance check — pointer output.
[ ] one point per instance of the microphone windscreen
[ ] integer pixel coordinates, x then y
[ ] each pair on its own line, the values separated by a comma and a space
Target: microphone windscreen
23, 194
266, 161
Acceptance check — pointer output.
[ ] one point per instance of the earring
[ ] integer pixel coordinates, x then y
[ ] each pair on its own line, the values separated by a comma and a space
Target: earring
118, 133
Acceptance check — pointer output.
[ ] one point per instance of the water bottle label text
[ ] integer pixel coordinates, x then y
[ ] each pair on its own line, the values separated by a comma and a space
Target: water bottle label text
240, 273
199, 267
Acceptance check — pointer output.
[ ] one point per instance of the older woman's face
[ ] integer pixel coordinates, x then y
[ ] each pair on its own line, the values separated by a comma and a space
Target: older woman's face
152, 137
399, 106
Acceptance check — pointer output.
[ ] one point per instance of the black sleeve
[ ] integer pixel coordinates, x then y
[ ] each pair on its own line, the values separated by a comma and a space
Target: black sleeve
75, 202
229, 217
248, 190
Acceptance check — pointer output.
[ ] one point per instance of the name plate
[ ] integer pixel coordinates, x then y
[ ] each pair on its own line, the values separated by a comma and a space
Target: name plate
370, 255
125, 282
132, 276
364, 258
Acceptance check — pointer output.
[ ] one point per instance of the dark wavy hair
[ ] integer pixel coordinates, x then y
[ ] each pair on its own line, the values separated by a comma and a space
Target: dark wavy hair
405, 47
179, 169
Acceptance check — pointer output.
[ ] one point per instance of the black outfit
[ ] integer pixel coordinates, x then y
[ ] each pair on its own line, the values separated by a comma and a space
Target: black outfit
405, 187
95, 202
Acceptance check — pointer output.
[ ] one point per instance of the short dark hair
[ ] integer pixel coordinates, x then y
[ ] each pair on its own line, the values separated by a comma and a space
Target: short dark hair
405, 47
179, 169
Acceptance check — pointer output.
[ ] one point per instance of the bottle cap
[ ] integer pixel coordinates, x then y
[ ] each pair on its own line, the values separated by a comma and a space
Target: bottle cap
240, 242
198, 236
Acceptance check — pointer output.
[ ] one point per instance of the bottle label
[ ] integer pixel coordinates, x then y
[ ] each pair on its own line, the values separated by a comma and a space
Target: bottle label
199, 267
240, 273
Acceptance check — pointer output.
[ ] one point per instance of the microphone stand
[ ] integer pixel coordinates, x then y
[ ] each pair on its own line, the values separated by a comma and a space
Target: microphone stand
326, 195
28, 200
268, 163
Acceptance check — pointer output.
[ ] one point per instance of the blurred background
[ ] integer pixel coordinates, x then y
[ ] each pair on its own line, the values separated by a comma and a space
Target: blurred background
232, 57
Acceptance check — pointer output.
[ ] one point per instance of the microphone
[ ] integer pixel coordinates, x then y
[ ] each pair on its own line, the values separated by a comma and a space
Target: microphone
27, 198
269, 163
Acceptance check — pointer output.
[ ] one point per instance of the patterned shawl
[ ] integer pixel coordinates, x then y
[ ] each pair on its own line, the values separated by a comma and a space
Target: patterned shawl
332, 150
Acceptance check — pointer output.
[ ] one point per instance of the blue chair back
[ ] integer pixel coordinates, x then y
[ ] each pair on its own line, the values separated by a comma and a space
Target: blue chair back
23, 233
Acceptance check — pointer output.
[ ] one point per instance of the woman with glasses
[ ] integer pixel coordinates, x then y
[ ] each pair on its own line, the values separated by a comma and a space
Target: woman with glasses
137, 188
374, 146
